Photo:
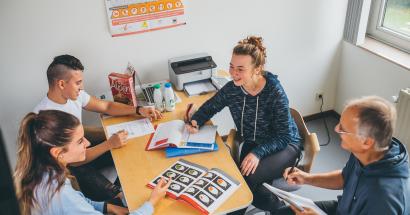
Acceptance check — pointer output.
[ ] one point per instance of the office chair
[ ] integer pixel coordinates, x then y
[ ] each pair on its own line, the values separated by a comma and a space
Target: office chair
8, 200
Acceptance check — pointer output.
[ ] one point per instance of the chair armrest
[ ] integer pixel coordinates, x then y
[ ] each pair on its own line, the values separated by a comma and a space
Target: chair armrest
312, 147
230, 139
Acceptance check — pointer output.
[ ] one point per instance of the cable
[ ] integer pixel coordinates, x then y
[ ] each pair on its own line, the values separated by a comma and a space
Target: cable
324, 121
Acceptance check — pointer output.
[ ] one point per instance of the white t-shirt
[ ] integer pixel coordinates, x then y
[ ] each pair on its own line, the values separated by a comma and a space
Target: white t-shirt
73, 107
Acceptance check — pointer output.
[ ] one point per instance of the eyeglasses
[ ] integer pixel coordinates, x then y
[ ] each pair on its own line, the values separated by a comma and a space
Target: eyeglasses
340, 131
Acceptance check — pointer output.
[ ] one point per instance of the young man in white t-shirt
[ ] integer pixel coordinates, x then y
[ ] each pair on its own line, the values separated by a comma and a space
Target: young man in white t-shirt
66, 93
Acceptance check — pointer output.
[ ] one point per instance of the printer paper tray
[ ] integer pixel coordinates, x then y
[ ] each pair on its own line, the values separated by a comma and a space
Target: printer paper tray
199, 88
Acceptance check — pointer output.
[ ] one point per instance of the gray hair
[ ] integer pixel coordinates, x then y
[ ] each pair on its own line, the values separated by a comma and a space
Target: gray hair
377, 118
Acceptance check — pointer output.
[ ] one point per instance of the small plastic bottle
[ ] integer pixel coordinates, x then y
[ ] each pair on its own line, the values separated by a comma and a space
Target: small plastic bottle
169, 97
158, 99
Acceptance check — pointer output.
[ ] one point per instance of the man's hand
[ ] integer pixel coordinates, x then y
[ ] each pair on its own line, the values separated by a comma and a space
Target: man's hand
117, 210
297, 176
159, 191
306, 211
150, 112
192, 127
249, 164
118, 139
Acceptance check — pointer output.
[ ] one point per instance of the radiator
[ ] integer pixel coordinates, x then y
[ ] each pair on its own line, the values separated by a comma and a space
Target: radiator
402, 131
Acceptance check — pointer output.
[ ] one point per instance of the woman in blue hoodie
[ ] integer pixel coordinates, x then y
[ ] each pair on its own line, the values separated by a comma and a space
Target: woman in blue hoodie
48, 142
268, 136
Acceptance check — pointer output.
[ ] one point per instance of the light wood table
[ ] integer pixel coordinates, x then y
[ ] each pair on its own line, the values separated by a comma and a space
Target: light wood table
136, 167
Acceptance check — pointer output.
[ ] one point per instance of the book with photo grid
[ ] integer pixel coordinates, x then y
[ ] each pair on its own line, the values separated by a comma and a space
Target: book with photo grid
202, 188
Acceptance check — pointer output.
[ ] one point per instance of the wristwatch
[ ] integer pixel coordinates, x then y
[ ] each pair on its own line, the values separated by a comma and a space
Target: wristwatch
137, 110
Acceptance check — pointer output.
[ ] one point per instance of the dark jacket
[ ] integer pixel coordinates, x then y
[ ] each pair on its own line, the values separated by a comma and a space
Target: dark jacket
382, 187
264, 119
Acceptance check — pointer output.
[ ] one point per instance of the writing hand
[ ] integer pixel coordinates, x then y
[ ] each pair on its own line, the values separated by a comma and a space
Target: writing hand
192, 127
297, 176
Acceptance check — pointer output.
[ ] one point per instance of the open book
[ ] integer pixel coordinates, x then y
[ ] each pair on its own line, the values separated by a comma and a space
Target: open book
198, 186
294, 200
174, 134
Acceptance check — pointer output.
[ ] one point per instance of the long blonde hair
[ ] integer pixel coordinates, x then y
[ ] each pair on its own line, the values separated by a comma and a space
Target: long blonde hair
37, 135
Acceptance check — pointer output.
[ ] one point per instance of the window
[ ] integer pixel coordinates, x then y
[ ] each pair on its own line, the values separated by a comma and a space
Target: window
389, 22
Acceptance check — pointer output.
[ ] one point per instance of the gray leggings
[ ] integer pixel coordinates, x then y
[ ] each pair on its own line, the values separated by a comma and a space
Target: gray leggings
269, 168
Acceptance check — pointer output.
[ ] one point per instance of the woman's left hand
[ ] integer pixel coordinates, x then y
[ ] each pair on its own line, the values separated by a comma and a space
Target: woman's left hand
249, 164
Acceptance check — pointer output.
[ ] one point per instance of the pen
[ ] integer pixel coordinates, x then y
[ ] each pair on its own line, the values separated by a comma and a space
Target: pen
190, 123
293, 167
187, 112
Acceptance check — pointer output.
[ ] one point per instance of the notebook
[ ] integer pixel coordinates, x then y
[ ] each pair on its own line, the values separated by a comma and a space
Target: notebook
174, 134
175, 152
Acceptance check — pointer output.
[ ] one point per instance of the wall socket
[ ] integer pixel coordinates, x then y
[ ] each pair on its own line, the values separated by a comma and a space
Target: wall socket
318, 96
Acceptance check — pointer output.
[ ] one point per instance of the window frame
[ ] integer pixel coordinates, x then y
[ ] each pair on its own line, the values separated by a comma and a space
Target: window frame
377, 31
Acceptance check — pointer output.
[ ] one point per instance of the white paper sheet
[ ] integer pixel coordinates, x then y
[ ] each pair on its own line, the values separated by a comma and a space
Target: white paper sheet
294, 199
205, 135
134, 128
170, 130
197, 88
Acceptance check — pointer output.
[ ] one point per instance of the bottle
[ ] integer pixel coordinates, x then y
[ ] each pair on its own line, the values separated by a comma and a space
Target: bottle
158, 99
169, 97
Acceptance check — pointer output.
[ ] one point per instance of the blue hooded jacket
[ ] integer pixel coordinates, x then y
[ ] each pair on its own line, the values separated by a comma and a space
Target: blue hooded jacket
382, 187
264, 120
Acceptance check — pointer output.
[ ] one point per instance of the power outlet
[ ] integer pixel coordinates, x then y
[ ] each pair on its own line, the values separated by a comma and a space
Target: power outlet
318, 96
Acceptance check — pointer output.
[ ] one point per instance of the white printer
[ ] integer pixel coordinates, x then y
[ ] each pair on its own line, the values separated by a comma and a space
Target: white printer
190, 68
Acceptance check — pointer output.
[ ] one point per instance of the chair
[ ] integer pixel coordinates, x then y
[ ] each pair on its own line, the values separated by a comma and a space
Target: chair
311, 148
8, 199
311, 143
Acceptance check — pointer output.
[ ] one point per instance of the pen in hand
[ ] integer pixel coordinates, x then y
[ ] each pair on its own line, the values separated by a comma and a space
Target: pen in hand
187, 116
293, 167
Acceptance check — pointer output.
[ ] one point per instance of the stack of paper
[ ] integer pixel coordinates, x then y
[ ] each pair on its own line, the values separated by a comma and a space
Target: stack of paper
175, 152
298, 202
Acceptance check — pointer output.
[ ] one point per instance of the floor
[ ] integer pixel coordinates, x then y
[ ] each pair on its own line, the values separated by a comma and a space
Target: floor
330, 157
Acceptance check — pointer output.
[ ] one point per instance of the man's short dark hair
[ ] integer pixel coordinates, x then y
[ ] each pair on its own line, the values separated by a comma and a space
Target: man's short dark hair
59, 68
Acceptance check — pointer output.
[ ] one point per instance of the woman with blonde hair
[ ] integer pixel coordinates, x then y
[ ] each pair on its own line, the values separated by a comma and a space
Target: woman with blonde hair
268, 139
48, 142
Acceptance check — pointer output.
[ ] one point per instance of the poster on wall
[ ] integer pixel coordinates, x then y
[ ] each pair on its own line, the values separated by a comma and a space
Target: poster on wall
127, 17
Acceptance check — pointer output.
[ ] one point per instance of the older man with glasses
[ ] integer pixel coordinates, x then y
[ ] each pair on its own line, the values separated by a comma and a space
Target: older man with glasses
375, 180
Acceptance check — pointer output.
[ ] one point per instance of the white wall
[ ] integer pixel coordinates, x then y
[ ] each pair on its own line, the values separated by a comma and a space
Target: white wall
302, 39
363, 73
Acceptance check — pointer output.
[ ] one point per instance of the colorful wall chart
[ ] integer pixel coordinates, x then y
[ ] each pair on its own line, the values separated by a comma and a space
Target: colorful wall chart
135, 16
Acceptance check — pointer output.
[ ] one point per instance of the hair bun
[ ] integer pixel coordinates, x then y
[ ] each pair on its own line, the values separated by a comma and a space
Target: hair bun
256, 41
